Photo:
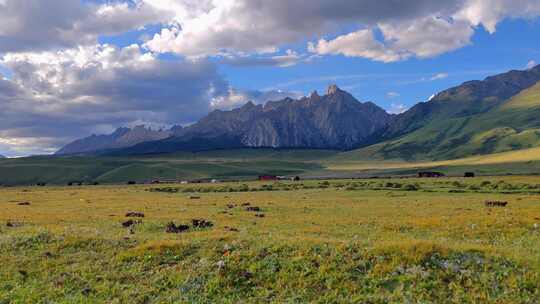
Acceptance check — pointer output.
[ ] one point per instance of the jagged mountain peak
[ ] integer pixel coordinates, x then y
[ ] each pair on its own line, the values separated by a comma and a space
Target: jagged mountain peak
336, 121
333, 89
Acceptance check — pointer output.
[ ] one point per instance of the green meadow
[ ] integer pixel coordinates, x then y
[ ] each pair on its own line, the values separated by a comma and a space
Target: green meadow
248, 164
399, 240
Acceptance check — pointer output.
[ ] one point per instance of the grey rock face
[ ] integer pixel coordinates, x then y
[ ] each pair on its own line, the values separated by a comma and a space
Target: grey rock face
335, 120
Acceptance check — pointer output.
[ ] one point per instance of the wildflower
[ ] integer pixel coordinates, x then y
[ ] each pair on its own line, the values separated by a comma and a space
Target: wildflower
220, 264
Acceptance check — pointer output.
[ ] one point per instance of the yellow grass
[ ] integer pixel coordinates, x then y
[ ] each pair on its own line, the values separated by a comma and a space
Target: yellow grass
526, 155
529, 98
311, 244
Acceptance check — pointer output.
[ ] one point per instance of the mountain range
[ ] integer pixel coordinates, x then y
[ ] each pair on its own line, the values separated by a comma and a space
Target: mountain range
496, 114
120, 138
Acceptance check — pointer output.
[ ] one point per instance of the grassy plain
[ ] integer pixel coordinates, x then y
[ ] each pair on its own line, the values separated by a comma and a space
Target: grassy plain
525, 162
231, 164
247, 164
340, 241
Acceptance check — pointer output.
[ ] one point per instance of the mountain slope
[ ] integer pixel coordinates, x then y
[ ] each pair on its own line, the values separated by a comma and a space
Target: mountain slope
466, 100
510, 125
333, 121
121, 138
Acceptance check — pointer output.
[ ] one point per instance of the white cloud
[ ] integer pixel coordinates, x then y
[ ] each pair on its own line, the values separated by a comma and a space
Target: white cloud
422, 38
438, 76
24, 146
43, 25
419, 28
392, 94
75, 92
397, 108
427, 36
216, 27
489, 13
236, 98
357, 44
531, 64
200, 28
56, 96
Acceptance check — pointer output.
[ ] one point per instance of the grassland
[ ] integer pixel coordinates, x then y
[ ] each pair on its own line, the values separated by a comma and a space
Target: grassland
526, 161
230, 164
247, 164
340, 241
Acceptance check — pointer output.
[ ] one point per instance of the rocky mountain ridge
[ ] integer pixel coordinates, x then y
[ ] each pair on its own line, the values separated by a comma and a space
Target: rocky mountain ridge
120, 138
335, 120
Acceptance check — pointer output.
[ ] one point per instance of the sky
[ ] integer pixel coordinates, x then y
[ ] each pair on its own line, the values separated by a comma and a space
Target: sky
72, 68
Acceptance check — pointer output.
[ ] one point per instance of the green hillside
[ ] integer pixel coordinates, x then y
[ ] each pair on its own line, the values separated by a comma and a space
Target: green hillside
513, 125
223, 164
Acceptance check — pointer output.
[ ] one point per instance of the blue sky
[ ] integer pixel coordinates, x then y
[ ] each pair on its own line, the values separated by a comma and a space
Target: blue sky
73, 68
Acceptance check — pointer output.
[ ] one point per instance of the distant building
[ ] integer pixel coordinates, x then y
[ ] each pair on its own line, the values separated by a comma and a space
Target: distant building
268, 177
295, 178
469, 174
430, 174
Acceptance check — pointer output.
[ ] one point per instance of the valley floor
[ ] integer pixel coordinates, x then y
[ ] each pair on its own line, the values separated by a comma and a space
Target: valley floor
364, 240
248, 164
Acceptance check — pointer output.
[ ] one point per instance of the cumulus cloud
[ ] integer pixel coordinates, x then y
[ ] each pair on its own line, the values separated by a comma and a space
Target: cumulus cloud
200, 28
358, 44
54, 97
427, 36
489, 13
223, 27
419, 28
531, 64
422, 38
80, 91
31, 25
